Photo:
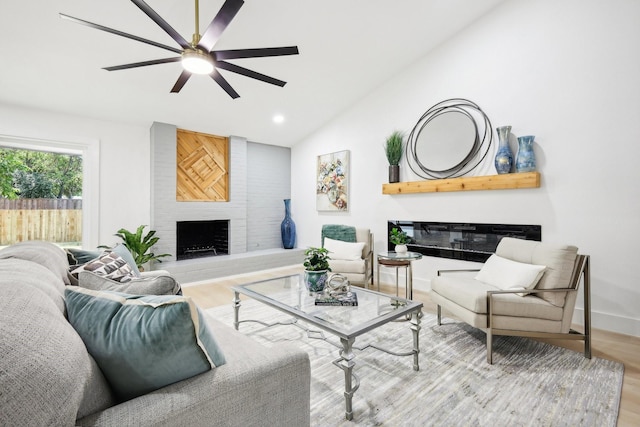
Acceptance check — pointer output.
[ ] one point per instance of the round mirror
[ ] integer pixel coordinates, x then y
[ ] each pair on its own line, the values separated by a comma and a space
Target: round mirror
446, 140
450, 139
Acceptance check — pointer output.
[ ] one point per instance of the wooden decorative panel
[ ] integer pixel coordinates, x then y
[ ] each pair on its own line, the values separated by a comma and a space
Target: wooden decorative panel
202, 167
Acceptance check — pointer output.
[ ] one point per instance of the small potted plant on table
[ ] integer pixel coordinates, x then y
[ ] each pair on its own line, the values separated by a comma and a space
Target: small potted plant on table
400, 239
316, 266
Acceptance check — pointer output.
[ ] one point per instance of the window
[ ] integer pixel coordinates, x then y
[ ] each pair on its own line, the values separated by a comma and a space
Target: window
88, 152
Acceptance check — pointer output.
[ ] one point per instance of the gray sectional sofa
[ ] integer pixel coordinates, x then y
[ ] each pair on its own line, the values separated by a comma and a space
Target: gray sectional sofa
47, 376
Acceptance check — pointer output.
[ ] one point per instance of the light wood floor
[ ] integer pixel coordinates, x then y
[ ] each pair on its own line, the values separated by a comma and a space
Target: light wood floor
606, 345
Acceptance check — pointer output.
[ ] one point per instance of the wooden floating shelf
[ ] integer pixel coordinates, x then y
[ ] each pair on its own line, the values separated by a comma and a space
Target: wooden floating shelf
472, 183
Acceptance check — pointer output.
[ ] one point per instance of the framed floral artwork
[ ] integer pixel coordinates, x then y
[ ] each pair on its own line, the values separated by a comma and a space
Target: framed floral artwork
332, 182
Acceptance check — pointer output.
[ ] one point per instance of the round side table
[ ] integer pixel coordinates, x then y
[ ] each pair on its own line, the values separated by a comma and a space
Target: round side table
399, 260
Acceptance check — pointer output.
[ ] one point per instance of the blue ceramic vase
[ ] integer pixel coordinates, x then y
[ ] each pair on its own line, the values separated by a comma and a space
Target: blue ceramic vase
315, 281
288, 227
526, 159
504, 157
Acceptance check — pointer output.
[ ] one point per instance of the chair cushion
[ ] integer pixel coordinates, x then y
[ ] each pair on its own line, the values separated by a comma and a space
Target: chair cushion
142, 343
471, 294
343, 266
559, 260
464, 291
506, 274
339, 250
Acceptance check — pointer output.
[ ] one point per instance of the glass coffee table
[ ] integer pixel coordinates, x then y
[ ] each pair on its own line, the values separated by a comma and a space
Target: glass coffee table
289, 295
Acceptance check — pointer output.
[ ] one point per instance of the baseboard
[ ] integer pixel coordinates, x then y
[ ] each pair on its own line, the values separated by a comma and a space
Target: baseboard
609, 322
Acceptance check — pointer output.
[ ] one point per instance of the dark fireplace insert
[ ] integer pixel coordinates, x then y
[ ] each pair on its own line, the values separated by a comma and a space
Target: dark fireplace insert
197, 239
456, 240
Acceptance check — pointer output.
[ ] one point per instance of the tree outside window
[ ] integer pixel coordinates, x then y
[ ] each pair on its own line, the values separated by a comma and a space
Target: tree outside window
37, 174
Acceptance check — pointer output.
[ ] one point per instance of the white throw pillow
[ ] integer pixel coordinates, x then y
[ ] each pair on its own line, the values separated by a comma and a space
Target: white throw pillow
343, 250
506, 274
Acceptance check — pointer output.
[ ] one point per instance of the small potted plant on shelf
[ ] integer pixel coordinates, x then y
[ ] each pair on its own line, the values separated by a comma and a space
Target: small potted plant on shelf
393, 149
316, 266
400, 239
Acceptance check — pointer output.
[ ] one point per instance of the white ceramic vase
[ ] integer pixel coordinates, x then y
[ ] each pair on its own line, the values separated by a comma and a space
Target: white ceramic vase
401, 249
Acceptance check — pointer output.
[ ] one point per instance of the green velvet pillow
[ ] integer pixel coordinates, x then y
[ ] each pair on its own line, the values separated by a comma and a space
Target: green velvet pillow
142, 343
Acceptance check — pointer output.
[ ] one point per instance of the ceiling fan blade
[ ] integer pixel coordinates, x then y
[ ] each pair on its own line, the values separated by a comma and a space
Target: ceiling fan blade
184, 76
248, 73
215, 75
217, 26
143, 64
119, 33
162, 23
255, 53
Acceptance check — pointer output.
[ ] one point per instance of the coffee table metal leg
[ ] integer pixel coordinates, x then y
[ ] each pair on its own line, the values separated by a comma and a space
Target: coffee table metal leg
346, 363
236, 309
415, 328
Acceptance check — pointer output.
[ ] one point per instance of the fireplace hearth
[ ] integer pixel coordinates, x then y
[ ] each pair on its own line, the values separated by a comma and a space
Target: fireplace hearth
463, 241
197, 239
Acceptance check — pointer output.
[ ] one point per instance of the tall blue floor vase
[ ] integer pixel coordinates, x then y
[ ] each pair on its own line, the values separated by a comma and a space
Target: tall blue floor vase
288, 227
526, 159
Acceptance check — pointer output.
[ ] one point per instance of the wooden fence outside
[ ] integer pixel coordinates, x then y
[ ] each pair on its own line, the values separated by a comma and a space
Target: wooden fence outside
53, 220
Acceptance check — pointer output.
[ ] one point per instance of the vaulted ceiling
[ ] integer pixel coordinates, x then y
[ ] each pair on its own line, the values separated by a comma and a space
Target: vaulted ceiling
347, 48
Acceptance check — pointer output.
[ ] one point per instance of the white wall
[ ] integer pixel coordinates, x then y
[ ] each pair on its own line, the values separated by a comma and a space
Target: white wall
123, 199
268, 184
566, 72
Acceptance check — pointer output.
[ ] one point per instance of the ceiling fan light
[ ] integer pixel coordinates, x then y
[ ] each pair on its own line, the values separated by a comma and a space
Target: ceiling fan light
197, 62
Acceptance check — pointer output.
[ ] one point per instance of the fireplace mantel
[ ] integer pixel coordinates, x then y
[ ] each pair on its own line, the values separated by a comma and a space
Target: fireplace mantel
490, 182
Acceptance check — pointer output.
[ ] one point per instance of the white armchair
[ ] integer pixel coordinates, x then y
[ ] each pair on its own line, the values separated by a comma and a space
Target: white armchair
542, 307
354, 260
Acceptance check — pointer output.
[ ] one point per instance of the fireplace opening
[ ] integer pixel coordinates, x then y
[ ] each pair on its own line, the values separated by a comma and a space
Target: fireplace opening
464, 241
197, 239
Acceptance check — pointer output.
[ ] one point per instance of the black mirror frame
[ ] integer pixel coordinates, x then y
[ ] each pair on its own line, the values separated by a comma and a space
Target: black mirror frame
476, 154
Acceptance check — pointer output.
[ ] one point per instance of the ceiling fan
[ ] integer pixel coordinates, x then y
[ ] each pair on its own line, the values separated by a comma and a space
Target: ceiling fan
198, 57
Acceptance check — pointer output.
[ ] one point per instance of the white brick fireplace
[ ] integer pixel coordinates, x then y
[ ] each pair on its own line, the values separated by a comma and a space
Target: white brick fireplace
266, 249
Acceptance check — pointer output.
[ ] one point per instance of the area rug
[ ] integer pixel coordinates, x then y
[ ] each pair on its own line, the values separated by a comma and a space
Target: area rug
529, 384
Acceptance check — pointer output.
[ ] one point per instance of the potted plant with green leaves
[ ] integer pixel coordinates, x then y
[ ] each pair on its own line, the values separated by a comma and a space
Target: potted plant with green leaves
316, 267
140, 245
393, 148
400, 239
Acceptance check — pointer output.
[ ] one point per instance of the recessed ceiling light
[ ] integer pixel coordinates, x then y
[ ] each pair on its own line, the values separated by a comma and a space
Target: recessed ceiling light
278, 118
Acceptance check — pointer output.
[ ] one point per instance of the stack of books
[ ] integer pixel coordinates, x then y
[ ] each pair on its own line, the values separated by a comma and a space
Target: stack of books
347, 299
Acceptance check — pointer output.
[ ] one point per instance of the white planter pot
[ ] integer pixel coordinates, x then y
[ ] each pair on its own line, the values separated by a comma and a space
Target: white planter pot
401, 249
